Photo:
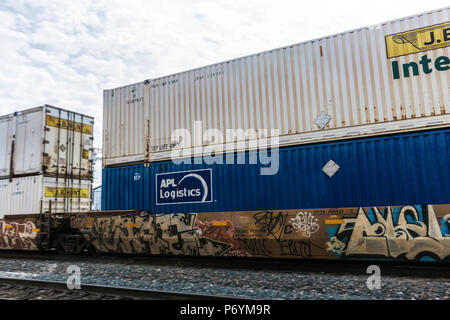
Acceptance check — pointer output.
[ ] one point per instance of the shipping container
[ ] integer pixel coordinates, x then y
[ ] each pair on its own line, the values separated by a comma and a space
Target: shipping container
46, 140
40, 194
387, 78
394, 170
6, 137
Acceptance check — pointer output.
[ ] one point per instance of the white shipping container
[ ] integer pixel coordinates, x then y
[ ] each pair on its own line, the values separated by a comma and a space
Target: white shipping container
386, 78
36, 194
46, 140
6, 137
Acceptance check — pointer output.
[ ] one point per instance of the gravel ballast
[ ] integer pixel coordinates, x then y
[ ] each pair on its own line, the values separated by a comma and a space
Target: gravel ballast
245, 283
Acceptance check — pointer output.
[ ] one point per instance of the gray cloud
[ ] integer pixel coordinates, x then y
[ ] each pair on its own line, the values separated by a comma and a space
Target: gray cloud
66, 52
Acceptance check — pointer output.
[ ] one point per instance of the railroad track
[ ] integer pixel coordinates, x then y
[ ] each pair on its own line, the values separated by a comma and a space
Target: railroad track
426, 270
25, 289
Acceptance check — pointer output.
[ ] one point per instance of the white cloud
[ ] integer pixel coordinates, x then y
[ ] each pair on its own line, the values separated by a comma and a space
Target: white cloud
66, 52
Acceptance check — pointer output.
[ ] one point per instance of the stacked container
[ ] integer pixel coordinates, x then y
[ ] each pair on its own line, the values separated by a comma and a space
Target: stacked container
387, 81
45, 161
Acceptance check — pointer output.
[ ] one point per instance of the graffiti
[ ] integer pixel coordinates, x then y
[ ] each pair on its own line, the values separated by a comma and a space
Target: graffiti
18, 236
222, 231
172, 234
410, 232
255, 246
296, 248
305, 222
336, 246
445, 222
176, 235
278, 226
125, 234
273, 224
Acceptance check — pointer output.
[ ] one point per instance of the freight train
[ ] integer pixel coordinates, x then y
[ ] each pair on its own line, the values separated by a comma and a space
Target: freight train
335, 148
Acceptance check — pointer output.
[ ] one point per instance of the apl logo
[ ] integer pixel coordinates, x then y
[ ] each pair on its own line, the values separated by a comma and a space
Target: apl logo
184, 187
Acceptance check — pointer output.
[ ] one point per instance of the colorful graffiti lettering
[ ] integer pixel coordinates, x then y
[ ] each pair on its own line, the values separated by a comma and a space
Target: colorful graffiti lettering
124, 234
18, 236
173, 234
410, 232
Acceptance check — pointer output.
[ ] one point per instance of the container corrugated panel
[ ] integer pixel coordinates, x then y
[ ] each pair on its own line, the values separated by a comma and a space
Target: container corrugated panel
125, 123
365, 81
48, 140
402, 169
36, 194
126, 187
6, 137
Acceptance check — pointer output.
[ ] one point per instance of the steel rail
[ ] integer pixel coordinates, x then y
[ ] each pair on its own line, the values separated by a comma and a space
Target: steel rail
123, 292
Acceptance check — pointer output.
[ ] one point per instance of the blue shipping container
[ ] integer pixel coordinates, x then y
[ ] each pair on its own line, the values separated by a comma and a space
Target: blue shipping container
403, 169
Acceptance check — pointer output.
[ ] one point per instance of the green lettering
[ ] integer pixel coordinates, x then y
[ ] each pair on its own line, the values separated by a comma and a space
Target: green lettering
425, 64
414, 66
442, 63
395, 70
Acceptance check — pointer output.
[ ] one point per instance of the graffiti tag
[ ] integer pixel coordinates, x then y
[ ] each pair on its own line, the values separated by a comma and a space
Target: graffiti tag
306, 223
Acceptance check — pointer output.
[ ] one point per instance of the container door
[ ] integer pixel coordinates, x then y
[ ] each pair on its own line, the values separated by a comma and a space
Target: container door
68, 151
67, 195
6, 144
28, 143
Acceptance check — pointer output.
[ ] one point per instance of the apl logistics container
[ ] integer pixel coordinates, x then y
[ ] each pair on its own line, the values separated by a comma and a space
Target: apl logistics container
40, 194
46, 140
382, 79
395, 170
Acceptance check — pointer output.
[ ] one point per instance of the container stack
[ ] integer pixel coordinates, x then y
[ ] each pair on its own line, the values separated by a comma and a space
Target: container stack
362, 118
45, 161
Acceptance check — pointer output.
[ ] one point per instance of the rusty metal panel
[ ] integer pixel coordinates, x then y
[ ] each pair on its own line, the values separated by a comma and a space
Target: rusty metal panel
35, 194
385, 78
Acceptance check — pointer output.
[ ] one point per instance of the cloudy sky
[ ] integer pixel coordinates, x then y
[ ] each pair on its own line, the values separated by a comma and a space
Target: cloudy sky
65, 52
